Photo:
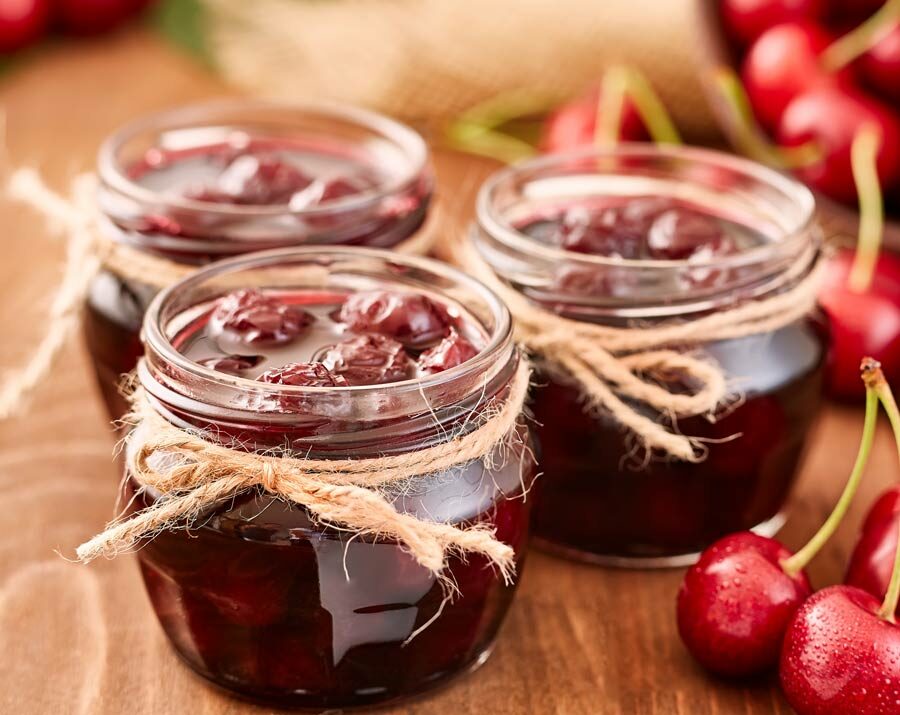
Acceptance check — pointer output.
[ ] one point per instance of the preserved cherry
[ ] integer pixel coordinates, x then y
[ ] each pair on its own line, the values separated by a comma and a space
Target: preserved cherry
413, 319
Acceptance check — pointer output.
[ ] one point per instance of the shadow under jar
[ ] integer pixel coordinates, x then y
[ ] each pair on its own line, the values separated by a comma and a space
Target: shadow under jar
214, 180
641, 235
257, 596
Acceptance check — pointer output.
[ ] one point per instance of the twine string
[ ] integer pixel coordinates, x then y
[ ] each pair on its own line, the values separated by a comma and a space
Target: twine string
193, 474
610, 364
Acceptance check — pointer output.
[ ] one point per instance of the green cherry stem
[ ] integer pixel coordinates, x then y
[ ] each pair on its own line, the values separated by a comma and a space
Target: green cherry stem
863, 160
478, 130
886, 397
650, 107
749, 136
888, 608
611, 107
856, 42
796, 563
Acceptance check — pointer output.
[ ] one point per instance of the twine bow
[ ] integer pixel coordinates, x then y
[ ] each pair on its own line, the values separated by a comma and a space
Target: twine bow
88, 249
607, 362
193, 474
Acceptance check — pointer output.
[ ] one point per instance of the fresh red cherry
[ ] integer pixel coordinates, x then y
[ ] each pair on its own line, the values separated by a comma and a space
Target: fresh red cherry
745, 20
872, 561
879, 68
841, 651
22, 22
830, 117
574, 125
783, 63
92, 17
259, 318
451, 351
735, 603
839, 656
411, 318
737, 600
369, 360
861, 323
303, 374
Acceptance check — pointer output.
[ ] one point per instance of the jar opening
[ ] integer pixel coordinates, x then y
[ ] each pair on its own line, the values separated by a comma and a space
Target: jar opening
619, 199
191, 388
327, 172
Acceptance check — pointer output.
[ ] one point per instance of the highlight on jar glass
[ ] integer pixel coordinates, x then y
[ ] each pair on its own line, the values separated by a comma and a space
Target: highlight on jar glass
668, 297
184, 187
327, 474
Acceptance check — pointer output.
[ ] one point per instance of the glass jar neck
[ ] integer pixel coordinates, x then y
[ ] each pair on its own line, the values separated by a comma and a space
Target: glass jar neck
146, 215
358, 420
617, 290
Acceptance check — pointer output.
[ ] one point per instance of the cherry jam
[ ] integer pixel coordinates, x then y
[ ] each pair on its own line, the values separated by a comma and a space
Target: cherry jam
205, 182
643, 235
257, 596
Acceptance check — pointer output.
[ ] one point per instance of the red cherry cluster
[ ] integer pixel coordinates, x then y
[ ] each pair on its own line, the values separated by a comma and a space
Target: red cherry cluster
24, 22
747, 605
816, 72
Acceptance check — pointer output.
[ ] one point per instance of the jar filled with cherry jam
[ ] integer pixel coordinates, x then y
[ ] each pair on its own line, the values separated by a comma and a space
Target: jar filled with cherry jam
215, 180
331, 353
641, 235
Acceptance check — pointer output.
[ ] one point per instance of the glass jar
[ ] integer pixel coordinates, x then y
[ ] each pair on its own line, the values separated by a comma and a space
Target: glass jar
262, 600
214, 180
603, 498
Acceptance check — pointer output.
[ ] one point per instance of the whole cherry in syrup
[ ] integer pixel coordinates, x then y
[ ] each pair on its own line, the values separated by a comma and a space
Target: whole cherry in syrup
330, 340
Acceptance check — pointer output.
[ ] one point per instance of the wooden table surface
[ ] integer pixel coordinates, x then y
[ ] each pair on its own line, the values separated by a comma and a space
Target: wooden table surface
76, 639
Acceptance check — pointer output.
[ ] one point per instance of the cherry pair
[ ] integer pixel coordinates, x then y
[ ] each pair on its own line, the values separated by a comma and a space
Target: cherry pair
748, 604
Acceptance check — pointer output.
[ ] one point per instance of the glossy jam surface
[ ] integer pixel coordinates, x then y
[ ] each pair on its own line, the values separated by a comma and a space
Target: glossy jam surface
329, 339
602, 497
648, 228
256, 172
295, 176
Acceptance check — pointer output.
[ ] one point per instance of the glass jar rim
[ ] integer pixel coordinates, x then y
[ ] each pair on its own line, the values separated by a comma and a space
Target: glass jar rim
112, 174
523, 244
498, 344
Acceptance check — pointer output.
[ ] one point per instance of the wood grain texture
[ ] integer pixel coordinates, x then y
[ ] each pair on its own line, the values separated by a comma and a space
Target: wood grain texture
73, 639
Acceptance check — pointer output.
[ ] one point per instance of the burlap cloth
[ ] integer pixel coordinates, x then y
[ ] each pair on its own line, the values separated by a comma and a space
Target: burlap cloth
428, 60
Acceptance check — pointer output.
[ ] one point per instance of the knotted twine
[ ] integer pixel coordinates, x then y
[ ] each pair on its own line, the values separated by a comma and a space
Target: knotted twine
606, 363
193, 474
89, 250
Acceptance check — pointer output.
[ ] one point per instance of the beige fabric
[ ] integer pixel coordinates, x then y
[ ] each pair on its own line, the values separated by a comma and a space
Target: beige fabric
433, 59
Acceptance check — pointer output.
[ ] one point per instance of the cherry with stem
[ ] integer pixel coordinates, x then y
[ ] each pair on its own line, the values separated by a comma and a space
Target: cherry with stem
840, 651
871, 564
737, 600
860, 291
864, 36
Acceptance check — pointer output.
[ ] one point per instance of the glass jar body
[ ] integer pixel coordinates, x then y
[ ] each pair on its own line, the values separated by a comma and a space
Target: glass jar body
601, 502
263, 599
283, 612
